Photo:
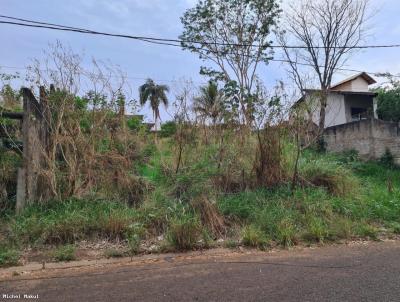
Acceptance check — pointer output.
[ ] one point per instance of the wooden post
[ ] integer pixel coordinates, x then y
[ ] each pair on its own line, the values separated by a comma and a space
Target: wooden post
31, 132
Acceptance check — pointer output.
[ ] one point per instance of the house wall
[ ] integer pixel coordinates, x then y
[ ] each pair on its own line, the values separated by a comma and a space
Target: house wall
358, 84
369, 137
335, 110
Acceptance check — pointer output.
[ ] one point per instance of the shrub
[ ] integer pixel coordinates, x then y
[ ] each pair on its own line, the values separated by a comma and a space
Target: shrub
184, 232
168, 129
387, 159
252, 236
349, 156
135, 123
389, 103
65, 253
8, 256
133, 245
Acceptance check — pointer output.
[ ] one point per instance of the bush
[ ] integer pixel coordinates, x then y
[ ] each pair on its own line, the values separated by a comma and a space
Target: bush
184, 232
252, 236
134, 123
133, 245
387, 159
64, 253
168, 129
8, 256
389, 103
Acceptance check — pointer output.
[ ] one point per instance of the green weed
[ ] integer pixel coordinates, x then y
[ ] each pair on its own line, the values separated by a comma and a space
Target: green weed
252, 236
8, 256
65, 253
184, 232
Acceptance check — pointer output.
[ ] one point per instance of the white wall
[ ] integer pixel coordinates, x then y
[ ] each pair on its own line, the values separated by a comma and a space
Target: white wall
358, 84
335, 111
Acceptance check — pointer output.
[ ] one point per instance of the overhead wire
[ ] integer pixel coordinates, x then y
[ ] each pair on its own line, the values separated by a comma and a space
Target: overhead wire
54, 26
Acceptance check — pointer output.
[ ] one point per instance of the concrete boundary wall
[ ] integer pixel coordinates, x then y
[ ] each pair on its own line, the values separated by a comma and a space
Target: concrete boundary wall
369, 137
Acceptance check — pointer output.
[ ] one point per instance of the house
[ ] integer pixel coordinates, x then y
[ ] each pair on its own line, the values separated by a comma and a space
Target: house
348, 101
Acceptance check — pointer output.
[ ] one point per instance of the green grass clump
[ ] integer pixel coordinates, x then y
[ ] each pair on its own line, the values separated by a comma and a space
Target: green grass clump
317, 230
231, 244
365, 230
64, 253
334, 177
184, 232
113, 253
252, 236
394, 227
8, 256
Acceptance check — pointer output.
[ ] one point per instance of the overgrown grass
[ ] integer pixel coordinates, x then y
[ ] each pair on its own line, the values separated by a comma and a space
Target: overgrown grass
72, 220
184, 232
347, 198
8, 256
113, 253
252, 236
338, 197
64, 253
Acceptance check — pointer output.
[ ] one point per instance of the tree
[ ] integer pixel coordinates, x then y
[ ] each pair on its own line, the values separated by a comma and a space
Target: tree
328, 31
168, 129
234, 35
389, 102
210, 102
155, 95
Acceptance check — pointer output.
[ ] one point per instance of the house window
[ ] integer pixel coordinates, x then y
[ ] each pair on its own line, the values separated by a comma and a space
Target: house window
358, 114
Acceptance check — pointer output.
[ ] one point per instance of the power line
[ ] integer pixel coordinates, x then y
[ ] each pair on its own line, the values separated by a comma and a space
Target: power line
170, 42
164, 41
377, 74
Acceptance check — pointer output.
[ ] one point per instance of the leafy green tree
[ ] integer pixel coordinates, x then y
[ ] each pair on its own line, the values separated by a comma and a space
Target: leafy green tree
135, 123
210, 102
155, 95
234, 36
168, 129
389, 103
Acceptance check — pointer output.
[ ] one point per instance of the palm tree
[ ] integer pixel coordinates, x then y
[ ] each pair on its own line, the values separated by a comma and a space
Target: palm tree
155, 95
210, 102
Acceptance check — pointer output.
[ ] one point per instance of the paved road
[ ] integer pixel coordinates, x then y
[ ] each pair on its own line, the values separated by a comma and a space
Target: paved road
360, 272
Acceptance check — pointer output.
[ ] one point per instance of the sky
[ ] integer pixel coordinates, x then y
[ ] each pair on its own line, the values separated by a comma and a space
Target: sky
157, 18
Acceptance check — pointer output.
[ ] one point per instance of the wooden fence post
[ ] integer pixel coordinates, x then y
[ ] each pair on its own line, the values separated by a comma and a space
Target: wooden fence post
32, 143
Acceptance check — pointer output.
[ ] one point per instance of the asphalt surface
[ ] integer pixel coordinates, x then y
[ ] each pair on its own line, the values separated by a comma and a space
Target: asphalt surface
359, 272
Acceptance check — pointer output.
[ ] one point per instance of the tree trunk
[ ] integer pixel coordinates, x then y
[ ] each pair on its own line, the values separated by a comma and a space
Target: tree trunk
322, 112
